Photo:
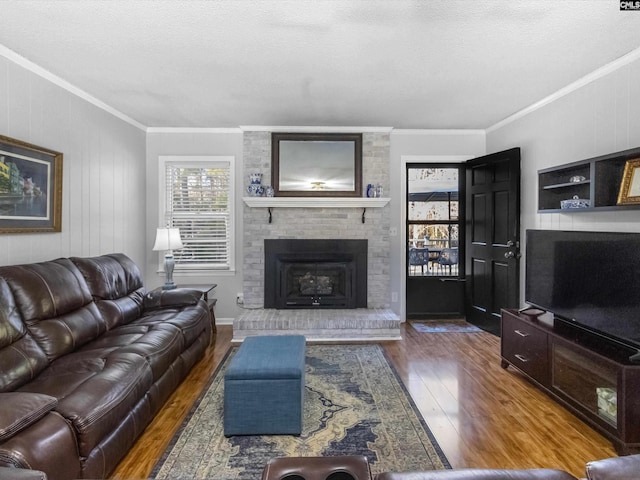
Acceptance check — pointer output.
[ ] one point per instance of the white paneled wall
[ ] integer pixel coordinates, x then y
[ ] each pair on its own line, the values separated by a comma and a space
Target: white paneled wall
602, 116
104, 170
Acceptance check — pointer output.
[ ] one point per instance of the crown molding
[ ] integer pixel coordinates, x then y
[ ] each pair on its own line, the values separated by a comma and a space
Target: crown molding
572, 87
192, 130
309, 129
47, 75
437, 131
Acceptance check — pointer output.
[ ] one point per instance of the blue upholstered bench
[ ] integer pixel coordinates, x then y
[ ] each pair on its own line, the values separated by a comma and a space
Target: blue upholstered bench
264, 387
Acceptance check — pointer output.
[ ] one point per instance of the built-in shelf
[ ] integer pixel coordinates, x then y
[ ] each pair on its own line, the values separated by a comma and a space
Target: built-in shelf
316, 202
602, 178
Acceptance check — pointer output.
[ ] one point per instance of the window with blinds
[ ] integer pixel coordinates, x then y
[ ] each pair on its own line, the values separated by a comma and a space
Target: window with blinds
198, 200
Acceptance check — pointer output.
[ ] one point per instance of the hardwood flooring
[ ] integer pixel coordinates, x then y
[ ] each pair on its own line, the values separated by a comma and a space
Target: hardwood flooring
481, 414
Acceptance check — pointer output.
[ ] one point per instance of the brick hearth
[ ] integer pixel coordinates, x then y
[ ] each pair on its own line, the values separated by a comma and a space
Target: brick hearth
321, 325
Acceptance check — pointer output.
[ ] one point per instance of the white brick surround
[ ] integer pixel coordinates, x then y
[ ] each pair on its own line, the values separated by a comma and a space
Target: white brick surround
376, 322
312, 223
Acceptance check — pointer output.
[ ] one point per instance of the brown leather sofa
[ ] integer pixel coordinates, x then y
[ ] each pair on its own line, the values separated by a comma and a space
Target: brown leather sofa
87, 358
356, 467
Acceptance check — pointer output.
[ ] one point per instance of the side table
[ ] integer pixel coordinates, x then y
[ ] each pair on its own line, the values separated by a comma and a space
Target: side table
207, 291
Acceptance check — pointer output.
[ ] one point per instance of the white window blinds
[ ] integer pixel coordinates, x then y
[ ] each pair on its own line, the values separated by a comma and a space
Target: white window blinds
198, 196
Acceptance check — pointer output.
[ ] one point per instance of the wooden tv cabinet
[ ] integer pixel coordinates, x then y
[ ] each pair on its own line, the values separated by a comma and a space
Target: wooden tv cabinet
587, 374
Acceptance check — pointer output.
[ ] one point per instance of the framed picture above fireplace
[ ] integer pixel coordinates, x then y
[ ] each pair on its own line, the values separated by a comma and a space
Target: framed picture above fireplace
316, 164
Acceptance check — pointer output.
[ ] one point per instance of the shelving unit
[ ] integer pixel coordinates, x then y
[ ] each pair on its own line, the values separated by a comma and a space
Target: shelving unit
603, 176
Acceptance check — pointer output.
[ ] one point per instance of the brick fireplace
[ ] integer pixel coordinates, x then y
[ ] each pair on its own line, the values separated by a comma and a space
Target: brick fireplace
319, 223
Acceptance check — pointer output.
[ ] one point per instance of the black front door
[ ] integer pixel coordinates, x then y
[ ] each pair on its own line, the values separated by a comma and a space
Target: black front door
492, 237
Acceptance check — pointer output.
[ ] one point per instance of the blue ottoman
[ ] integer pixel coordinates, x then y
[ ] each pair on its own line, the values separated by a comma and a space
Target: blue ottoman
264, 387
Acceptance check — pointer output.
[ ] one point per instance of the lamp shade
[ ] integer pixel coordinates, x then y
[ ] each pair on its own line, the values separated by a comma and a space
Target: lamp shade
168, 239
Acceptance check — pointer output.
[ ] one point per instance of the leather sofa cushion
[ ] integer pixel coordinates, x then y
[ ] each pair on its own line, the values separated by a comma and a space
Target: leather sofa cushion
21, 357
121, 310
115, 282
190, 320
19, 410
110, 276
94, 393
54, 302
159, 344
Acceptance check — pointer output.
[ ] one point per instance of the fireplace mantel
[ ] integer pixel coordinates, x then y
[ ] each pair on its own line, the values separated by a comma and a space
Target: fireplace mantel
316, 202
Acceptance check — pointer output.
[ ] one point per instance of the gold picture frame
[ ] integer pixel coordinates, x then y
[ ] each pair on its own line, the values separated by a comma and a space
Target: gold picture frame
630, 186
30, 188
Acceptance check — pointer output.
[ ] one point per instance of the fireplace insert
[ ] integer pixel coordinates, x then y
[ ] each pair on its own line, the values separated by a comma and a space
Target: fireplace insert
315, 273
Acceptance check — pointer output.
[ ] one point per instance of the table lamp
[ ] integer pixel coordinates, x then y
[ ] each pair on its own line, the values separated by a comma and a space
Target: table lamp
168, 239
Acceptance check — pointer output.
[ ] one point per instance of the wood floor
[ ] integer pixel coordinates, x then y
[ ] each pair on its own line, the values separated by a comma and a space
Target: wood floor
481, 414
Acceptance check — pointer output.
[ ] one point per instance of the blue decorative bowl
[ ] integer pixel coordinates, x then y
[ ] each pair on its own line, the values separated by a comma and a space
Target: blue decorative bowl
575, 202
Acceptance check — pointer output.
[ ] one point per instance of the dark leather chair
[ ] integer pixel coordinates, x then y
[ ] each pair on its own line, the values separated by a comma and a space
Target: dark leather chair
615, 468
348, 467
479, 474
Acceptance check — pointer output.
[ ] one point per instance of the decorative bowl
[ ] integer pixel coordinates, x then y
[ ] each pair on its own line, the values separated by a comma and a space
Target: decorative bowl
575, 202
577, 179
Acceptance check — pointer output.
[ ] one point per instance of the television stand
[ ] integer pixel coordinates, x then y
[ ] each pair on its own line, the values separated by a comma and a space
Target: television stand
593, 378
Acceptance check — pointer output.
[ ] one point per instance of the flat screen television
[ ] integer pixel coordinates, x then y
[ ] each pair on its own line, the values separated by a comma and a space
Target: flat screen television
589, 279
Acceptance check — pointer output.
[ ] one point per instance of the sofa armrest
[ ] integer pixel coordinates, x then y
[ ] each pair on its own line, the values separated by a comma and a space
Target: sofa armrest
21, 410
8, 473
179, 297
618, 468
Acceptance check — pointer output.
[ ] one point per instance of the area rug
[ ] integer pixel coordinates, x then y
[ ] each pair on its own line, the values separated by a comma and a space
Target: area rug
354, 404
443, 326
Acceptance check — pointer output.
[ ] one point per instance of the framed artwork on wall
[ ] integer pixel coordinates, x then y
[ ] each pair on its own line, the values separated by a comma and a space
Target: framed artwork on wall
30, 188
630, 186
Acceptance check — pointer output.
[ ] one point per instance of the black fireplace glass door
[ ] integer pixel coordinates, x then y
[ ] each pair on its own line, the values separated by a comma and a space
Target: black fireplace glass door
317, 284
315, 273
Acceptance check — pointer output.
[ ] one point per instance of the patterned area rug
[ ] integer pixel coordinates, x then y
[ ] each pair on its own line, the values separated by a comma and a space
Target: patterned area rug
354, 404
441, 326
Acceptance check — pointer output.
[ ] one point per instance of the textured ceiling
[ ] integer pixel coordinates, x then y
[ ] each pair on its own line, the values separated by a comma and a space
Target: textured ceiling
397, 63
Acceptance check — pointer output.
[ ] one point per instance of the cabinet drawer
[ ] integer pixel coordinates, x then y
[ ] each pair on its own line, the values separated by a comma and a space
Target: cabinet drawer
525, 347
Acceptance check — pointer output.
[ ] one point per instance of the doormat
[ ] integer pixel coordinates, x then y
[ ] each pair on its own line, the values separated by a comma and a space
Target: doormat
443, 326
355, 404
